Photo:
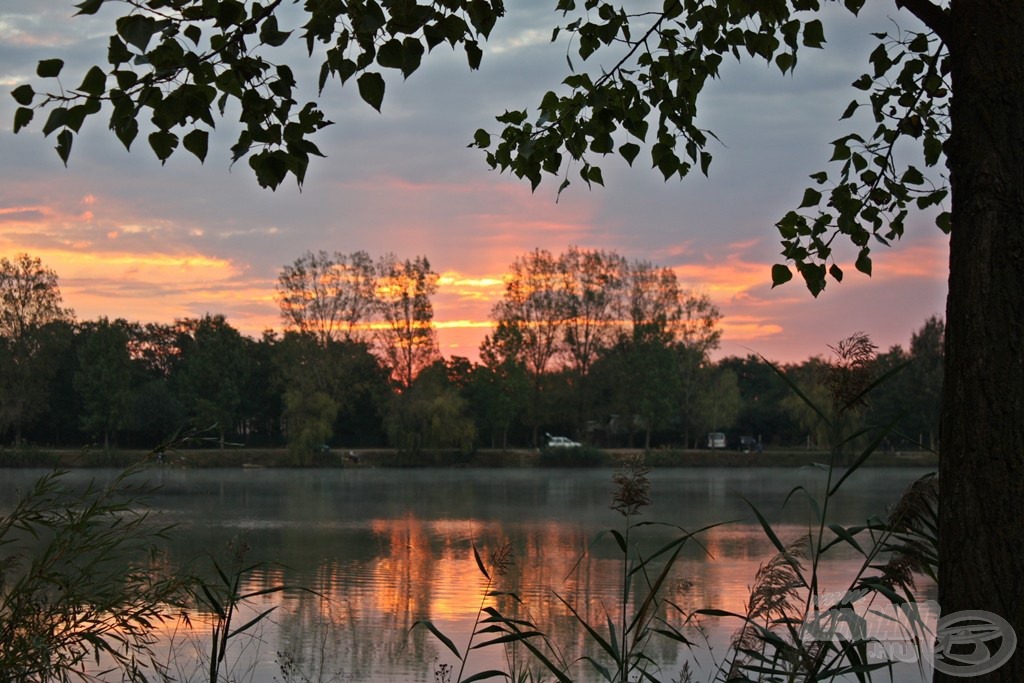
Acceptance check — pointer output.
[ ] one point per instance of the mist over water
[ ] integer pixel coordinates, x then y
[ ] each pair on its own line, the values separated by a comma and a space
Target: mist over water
385, 548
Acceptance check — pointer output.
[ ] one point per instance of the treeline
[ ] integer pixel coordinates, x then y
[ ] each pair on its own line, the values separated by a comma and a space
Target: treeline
585, 344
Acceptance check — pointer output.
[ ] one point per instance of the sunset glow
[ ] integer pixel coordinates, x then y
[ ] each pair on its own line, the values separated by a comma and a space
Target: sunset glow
130, 237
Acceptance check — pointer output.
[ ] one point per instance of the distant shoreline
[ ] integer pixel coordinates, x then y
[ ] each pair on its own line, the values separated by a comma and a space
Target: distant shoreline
243, 457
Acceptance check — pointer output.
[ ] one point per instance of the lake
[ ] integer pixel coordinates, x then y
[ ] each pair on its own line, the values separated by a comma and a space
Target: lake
386, 548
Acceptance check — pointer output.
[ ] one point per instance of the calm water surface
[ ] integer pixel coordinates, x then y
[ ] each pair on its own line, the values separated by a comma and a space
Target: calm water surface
386, 548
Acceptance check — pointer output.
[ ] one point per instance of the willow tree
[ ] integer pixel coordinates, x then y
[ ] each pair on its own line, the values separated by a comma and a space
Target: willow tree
949, 91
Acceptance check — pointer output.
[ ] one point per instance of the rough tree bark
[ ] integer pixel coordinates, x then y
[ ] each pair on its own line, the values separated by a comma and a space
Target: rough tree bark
982, 463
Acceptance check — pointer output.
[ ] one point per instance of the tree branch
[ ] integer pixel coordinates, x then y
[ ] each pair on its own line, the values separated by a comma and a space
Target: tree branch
933, 16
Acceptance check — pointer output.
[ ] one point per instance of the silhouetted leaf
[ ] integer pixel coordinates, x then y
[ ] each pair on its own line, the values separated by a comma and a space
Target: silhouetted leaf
163, 144
781, 274
440, 636
23, 95
49, 68
371, 89
64, 139
94, 83
22, 117
197, 142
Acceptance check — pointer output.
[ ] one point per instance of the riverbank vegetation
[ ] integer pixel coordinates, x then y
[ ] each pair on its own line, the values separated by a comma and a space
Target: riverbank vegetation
101, 543
615, 354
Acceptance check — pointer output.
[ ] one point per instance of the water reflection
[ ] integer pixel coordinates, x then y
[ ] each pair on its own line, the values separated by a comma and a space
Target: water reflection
385, 548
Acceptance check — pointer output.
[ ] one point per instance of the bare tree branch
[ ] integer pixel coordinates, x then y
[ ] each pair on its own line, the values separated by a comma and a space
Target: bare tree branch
933, 16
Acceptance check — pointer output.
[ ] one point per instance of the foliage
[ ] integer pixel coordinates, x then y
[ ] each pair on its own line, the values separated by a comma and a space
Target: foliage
571, 311
225, 597
33, 328
716, 402
329, 296
142, 382
499, 630
786, 630
181, 62
622, 640
104, 378
497, 394
656, 63
213, 367
81, 579
406, 340
787, 597
310, 417
430, 415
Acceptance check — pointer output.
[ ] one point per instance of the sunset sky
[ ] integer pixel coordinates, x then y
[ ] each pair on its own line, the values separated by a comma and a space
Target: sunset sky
129, 238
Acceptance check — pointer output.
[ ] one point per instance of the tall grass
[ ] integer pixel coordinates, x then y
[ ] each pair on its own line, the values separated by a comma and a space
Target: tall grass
85, 587
792, 629
80, 584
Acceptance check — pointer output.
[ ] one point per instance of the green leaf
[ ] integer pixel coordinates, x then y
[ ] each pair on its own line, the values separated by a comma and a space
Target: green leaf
197, 142
22, 117
811, 198
864, 262
481, 139
163, 143
64, 139
371, 88
840, 150
836, 272
136, 29
88, 7
389, 55
814, 33
814, 277
23, 95
473, 54
513, 118
271, 167
49, 68
785, 61
55, 120
781, 274
126, 131
912, 176
270, 34
193, 33
94, 83
944, 222
412, 55
629, 152
117, 51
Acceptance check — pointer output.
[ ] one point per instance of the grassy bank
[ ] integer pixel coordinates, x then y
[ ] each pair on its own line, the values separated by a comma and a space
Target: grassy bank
588, 457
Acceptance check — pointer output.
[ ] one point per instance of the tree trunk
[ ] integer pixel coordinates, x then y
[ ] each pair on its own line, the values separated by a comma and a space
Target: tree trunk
981, 555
